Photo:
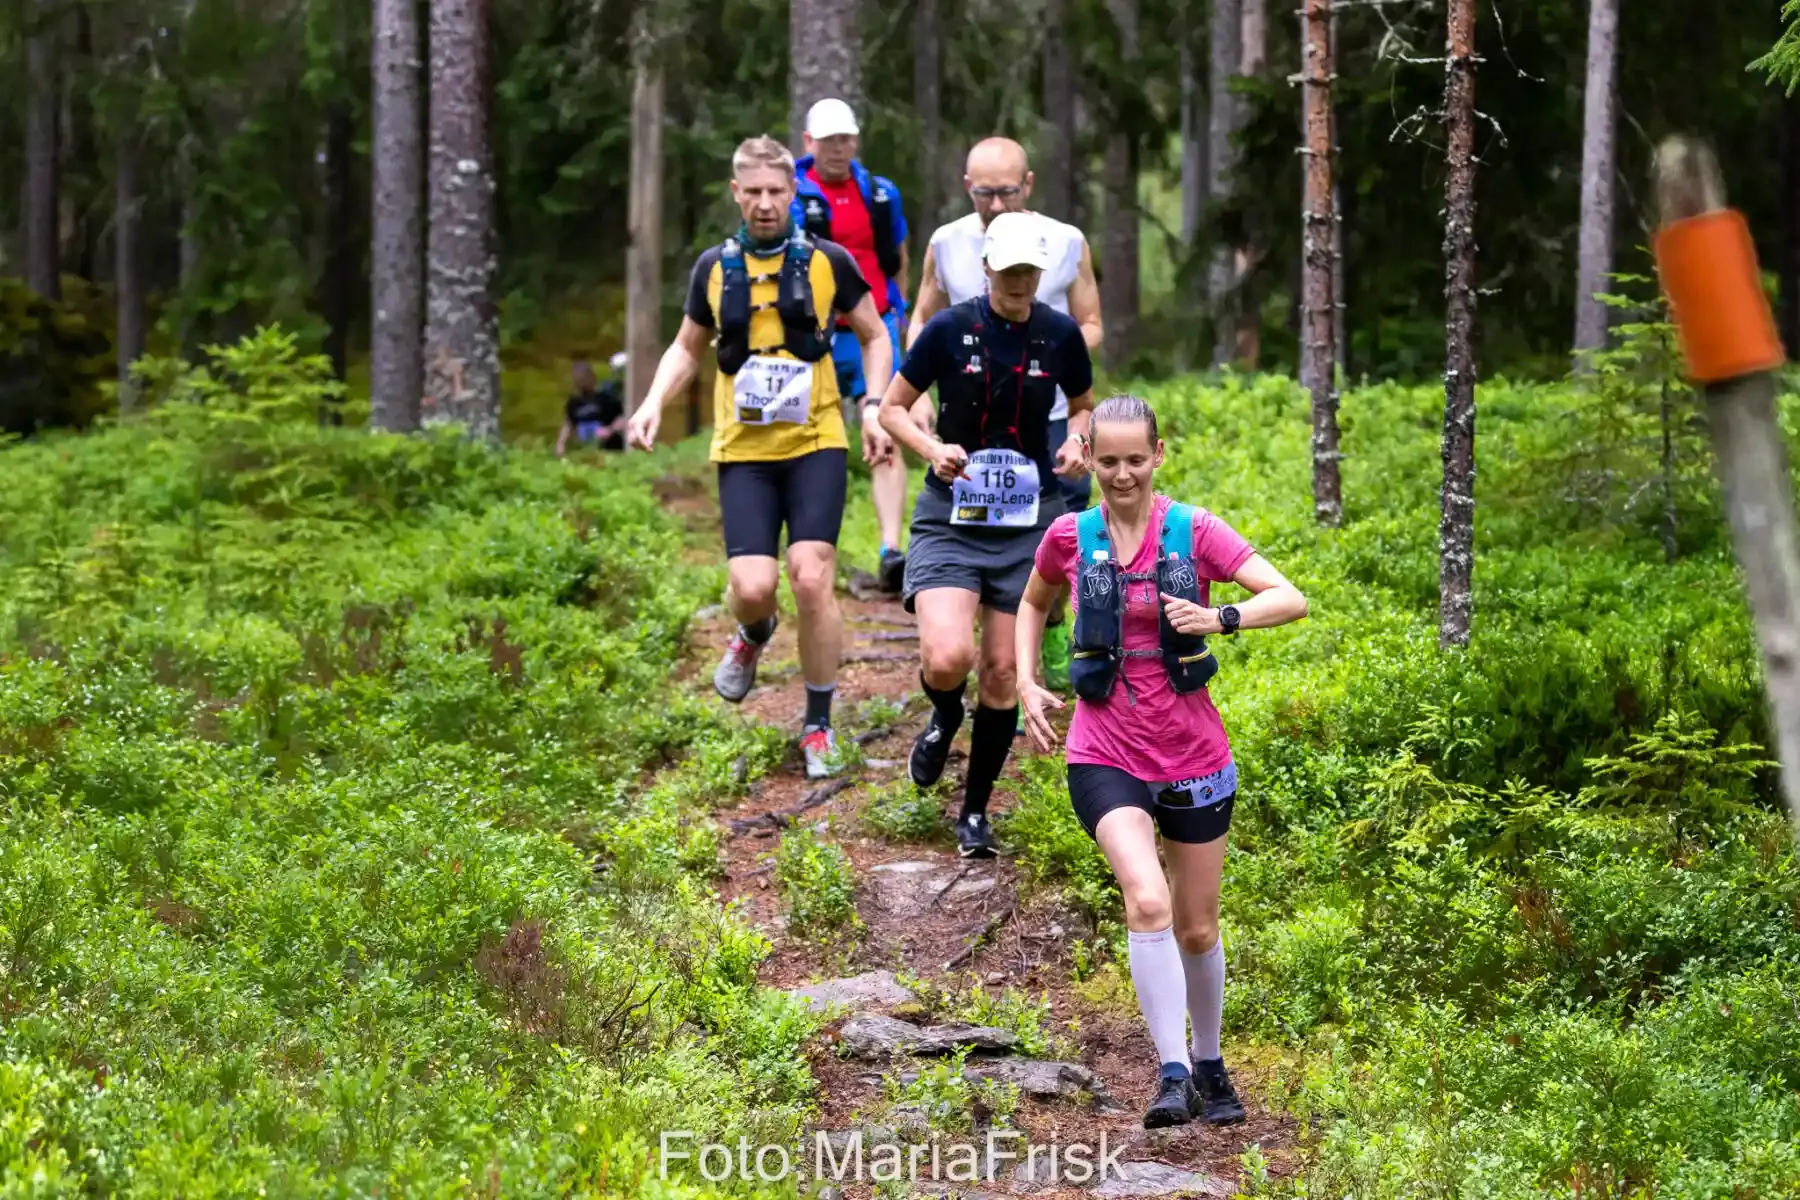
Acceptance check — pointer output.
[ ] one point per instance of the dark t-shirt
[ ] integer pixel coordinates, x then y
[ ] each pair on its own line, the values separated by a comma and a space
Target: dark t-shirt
850, 286
590, 412
939, 355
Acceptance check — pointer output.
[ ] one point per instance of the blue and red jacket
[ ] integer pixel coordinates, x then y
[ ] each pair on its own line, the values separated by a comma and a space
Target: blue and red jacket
886, 217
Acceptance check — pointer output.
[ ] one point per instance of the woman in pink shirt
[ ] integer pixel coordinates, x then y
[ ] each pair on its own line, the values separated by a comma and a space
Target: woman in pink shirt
1146, 757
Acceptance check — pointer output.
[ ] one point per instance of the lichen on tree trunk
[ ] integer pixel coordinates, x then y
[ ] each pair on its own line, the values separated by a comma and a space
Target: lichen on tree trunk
1318, 357
1456, 527
1600, 102
825, 59
43, 234
397, 261
462, 350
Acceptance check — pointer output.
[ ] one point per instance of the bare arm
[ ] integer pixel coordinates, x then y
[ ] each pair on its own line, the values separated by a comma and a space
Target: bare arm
562, 437
1028, 638
680, 364
1273, 601
877, 347
1084, 300
931, 300
1071, 457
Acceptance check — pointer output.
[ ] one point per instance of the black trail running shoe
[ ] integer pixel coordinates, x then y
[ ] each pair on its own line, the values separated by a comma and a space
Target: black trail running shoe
1219, 1103
974, 836
1175, 1104
931, 750
891, 574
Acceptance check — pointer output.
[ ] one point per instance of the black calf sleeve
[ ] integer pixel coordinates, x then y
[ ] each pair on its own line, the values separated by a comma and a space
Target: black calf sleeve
990, 741
948, 703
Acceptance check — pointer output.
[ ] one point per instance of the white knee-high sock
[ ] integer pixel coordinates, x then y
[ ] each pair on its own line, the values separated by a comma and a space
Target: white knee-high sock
1205, 997
1156, 974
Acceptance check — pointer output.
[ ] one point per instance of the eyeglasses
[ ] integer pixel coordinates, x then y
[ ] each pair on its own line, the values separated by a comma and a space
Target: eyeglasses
987, 193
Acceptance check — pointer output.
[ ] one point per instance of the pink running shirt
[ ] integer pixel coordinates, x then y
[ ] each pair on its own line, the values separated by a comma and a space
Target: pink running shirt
1166, 735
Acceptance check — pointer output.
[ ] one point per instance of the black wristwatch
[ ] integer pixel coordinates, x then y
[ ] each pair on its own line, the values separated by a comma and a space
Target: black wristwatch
1229, 618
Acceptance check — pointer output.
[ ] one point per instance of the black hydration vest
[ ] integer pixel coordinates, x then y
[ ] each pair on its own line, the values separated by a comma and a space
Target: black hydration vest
979, 410
805, 338
1099, 593
880, 199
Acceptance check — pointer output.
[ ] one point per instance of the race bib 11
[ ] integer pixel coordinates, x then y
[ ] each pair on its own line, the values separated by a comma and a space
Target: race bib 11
999, 489
766, 390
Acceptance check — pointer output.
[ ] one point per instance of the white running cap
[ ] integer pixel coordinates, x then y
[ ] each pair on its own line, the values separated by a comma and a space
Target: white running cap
1017, 239
828, 118
619, 360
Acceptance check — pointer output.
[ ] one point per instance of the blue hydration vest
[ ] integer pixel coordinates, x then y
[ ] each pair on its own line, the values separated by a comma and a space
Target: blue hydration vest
886, 217
1100, 585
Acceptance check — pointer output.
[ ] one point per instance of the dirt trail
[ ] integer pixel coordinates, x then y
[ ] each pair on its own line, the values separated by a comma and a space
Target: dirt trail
924, 909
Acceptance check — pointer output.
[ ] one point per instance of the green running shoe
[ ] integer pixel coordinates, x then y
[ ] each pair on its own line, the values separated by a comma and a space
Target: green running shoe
1053, 662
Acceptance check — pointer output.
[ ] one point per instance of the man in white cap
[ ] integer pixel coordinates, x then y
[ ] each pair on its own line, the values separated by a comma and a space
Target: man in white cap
998, 361
836, 199
998, 179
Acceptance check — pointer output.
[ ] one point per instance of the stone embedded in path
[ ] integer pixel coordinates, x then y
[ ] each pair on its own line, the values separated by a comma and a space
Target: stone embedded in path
909, 888
1159, 1179
859, 993
883, 1037
1039, 1078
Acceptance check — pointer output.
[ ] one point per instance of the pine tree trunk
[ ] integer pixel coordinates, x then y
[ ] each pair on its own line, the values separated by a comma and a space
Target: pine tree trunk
643, 252
825, 59
1055, 190
128, 283
1340, 308
1456, 528
81, 188
1119, 256
1318, 332
1193, 180
1788, 265
927, 102
462, 357
43, 232
397, 252
1225, 34
1253, 55
1600, 103
336, 298
1193, 148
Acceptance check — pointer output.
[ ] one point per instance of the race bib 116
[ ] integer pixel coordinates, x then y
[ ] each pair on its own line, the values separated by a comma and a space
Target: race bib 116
766, 390
999, 488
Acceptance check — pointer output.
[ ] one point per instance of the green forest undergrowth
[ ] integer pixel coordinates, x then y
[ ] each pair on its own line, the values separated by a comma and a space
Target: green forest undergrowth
1531, 911
356, 839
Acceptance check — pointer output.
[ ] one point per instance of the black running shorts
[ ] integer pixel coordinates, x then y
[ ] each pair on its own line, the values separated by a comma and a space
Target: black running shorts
1096, 790
995, 564
805, 494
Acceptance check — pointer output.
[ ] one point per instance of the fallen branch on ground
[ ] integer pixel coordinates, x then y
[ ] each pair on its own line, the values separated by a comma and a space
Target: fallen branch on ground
986, 931
782, 818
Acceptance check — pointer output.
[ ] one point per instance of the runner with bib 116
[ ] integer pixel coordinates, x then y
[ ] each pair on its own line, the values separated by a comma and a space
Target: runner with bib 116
997, 361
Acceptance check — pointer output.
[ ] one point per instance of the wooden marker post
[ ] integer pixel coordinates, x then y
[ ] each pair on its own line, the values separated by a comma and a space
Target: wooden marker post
1708, 267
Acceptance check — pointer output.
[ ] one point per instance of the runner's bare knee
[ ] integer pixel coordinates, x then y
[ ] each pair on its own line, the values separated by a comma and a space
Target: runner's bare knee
1147, 906
753, 581
811, 575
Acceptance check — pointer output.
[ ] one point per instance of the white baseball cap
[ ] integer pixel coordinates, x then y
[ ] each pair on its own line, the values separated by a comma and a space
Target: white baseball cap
828, 118
1017, 239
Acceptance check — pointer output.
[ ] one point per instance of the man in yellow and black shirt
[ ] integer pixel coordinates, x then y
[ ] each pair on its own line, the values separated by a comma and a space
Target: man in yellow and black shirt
767, 298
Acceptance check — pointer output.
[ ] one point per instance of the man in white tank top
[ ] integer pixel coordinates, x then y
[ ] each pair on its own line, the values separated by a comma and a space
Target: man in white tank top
998, 179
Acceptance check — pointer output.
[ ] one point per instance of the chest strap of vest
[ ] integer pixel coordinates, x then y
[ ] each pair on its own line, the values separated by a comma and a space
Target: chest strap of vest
967, 405
802, 336
1101, 597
